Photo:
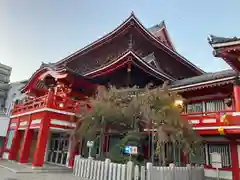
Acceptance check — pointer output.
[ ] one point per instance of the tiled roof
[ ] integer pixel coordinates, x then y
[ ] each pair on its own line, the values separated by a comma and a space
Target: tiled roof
183, 82
215, 40
203, 78
150, 57
156, 27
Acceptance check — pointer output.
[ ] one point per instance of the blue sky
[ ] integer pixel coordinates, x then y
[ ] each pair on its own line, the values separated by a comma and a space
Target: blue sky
32, 32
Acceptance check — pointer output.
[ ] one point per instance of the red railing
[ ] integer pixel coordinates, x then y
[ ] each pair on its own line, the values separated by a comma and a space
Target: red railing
207, 119
57, 103
200, 119
67, 104
30, 105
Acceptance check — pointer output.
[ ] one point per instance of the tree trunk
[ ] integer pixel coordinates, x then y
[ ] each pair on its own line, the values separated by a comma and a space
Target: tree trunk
101, 138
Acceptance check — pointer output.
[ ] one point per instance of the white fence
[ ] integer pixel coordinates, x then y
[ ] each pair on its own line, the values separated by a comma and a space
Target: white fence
106, 170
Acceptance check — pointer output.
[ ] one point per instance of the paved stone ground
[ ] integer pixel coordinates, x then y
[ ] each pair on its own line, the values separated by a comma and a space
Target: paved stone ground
8, 175
21, 172
27, 168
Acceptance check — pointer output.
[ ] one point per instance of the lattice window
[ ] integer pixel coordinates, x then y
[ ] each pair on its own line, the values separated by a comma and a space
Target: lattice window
172, 153
215, 105
198, 157
224, 150
208, 106
195, 107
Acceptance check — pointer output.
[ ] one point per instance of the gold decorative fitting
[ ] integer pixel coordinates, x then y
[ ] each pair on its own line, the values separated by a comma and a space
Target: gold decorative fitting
224, 119
221, 131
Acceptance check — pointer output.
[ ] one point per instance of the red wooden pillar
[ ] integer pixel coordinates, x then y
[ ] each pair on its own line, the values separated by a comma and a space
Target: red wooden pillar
106, 143
234, 160
42, 139
43, 133
146, 152
15, 143
26, 144
236, 92
183, 158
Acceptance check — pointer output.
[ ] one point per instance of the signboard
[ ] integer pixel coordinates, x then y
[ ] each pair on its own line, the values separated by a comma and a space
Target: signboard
130, 150
216, 160
90, 144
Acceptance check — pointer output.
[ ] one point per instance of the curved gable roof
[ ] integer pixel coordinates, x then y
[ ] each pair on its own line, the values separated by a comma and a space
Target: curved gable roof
130, 21
154, 72
160, 32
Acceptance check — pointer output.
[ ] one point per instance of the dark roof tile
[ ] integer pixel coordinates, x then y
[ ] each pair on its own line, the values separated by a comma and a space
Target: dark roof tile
215, 39
156, 27
203, 78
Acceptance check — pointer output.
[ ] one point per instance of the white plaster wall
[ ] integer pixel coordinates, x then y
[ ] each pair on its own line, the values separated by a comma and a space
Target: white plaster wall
212, 173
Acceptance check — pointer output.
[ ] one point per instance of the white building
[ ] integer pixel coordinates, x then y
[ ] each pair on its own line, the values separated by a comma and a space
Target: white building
13, 94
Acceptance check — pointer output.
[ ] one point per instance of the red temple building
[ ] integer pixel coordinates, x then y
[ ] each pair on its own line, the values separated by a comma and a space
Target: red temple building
130, 55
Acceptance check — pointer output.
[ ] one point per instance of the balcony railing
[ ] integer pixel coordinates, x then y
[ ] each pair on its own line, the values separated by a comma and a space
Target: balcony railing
206, 119
200, 119
57, 103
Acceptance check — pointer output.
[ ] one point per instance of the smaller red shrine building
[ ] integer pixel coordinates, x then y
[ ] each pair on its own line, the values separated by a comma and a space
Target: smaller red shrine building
130, 55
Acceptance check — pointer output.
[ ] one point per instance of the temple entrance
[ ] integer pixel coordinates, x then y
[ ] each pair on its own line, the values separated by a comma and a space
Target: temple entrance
58, 149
